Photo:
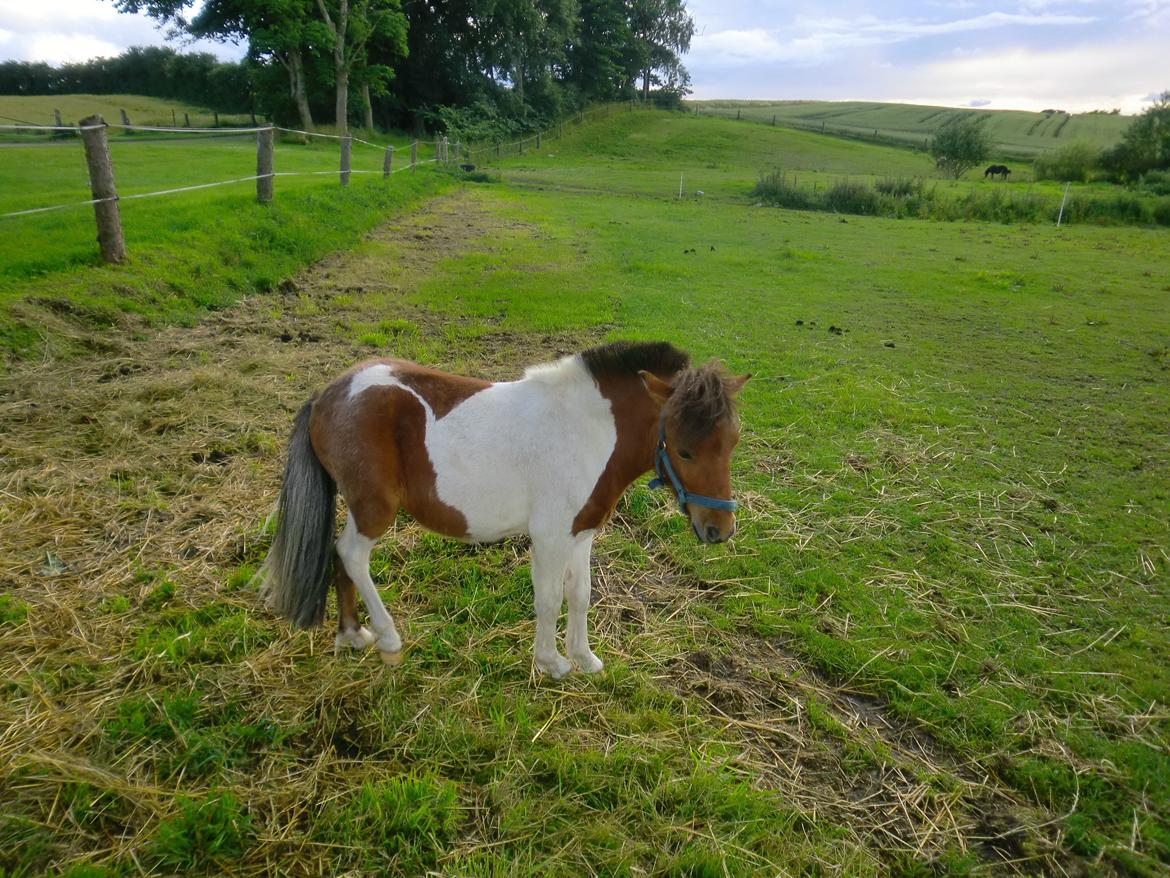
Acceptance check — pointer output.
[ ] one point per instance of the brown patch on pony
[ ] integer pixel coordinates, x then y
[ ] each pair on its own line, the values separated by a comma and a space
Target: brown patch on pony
374, 446
615, 368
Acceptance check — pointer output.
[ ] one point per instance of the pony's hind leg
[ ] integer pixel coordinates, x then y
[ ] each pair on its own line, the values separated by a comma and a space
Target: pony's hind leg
349, 631
354, 547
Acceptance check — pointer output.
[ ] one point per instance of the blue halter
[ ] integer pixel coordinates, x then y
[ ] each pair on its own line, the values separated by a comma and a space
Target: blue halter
662, 462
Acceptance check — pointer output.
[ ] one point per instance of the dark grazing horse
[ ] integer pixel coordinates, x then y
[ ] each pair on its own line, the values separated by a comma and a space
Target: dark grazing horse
994, 171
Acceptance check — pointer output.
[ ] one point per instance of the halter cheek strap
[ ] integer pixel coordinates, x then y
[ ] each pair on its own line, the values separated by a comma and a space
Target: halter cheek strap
665, 471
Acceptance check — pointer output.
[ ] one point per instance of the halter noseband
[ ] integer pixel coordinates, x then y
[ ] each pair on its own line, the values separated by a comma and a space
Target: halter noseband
662, 463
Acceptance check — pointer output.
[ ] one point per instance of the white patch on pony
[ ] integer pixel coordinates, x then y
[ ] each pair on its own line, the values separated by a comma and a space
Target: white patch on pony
378, 375
517, 456
524, 456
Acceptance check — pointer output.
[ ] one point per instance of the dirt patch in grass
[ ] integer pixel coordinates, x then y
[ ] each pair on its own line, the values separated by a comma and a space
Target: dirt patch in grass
825, 747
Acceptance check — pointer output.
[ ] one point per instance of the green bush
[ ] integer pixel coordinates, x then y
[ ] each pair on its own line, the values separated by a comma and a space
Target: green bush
899, 187
775, 189
1073, 162
850, 197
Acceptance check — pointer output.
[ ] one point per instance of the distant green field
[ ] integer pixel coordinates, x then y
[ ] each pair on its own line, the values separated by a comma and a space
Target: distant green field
713, 157
38, 110
1016, 133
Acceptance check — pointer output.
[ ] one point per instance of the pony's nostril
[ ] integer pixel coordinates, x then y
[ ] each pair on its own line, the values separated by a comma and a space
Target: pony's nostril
713, 535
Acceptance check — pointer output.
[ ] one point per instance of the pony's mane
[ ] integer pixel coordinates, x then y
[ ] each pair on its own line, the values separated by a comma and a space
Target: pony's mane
624, 358
700, 401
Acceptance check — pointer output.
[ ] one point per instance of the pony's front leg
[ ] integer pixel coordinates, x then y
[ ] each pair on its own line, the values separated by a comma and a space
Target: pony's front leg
354, 550
577, 588
550, 559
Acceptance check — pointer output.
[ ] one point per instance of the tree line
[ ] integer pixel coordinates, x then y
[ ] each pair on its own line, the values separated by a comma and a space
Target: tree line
476, 68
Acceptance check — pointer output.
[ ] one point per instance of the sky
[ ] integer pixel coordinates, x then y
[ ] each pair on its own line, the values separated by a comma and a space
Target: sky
1073, 55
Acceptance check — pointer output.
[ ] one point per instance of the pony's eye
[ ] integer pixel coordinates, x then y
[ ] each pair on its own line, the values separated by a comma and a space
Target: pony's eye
685, 455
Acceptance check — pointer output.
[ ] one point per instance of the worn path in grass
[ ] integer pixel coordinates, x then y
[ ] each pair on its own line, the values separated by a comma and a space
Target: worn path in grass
147, 696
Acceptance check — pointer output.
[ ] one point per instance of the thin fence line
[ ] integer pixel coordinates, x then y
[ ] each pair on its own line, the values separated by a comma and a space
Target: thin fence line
52, 127
168, 129
55, 207
339, 137
200, 186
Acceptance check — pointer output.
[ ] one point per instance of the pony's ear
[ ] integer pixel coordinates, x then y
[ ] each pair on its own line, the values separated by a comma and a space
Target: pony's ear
735, 385
658, 389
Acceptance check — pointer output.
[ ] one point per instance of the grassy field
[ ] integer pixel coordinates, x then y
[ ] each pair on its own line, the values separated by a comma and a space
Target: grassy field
38, 110
1016, 133
938, 646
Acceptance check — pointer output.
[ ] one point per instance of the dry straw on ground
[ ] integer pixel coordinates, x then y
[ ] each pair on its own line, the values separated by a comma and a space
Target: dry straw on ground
162, 455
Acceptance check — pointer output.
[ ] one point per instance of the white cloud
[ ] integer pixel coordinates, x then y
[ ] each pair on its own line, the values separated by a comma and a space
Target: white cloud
1077, 79
810, 40
58, 31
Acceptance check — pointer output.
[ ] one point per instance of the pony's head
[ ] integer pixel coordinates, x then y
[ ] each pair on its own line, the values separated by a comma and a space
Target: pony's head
698, 431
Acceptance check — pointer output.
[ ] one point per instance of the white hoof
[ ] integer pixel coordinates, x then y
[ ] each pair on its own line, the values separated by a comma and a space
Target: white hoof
587, 662
359, 639
557, 666
391, 659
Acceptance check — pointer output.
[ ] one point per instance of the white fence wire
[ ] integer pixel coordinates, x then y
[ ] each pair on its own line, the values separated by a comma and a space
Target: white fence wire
441, 146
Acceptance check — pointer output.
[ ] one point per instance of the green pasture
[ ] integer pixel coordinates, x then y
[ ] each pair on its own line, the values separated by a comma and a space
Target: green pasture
939, 644
717, 158
1016, 133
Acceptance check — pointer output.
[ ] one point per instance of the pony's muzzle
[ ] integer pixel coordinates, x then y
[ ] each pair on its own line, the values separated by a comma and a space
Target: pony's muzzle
715, 530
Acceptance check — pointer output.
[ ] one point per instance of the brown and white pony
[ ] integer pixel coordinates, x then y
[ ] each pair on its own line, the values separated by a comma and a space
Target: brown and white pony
548, 455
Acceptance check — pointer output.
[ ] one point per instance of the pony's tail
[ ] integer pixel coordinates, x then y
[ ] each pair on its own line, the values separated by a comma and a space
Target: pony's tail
296, 574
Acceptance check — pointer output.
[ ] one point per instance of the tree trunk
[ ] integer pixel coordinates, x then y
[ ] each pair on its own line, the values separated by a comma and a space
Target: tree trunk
296, 77
342, 100
520, 82
646, 85
367, 108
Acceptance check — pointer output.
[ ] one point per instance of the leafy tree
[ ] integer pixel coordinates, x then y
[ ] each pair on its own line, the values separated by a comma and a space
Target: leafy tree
1145, 145
349, 29
959, 146
662, 31
279, 29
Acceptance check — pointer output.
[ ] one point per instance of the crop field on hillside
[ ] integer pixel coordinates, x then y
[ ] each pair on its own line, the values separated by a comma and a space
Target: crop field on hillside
938, 645
1016, 133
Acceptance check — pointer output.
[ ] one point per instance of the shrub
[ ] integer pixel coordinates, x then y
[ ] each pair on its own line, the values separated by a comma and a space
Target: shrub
899, 187
960, 145
850, 197
1075, 162
775, 189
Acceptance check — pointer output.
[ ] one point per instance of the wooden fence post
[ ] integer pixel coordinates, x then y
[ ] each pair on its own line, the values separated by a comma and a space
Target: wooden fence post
57, 117
413, 154
215, 115
125, 118
773, 120
387, 162
264, 178
497, 149
538, 141
186, 120
737, 115
101, 184
346, 153
174, 121
458, 156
